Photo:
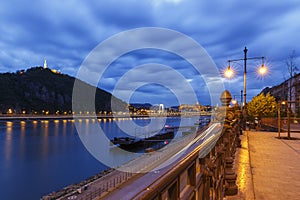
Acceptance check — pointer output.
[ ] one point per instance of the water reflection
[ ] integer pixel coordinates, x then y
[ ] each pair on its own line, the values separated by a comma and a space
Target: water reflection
100, 146
8, 141
32, 152
35, 123
49, 154
22, 139
9, 124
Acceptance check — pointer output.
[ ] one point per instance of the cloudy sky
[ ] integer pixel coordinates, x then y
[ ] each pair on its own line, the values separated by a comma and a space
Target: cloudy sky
66, 32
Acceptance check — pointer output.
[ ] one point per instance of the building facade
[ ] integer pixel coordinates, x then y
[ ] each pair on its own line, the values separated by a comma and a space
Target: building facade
289, 90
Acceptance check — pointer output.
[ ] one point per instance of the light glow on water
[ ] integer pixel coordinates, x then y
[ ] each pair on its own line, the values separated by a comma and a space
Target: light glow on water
9, 124
44, 156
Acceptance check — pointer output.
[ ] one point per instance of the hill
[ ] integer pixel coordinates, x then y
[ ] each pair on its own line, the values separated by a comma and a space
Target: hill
38, 90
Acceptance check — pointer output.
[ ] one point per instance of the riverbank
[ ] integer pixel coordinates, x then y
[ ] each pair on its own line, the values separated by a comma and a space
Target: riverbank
70, 117
74, 188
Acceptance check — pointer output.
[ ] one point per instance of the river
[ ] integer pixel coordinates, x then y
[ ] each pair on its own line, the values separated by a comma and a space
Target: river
38, 157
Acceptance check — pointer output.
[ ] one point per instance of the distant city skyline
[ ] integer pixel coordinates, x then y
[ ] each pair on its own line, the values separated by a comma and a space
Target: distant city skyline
66, 32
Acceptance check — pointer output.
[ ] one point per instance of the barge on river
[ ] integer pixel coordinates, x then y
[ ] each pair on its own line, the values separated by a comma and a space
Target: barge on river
134, 143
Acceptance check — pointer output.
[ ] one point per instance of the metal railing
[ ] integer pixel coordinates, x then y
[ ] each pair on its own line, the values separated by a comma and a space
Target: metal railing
208, 177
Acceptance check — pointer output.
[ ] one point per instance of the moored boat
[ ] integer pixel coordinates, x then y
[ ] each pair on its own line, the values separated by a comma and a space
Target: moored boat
135, 144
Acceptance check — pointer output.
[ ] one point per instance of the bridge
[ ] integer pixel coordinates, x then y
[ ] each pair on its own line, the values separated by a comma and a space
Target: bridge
198, 166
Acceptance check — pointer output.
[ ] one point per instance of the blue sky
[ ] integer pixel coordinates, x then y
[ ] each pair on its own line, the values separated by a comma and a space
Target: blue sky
65, 32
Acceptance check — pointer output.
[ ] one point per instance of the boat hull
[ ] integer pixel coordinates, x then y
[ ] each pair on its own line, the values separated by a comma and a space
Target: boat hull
135, 144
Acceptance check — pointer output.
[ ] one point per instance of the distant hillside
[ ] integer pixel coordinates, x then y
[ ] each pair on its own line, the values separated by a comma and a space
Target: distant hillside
38, 90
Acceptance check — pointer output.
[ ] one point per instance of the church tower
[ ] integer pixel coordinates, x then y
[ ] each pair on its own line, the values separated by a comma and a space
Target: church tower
45, 64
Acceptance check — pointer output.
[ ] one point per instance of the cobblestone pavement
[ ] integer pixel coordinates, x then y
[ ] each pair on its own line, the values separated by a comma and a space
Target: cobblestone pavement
268, 167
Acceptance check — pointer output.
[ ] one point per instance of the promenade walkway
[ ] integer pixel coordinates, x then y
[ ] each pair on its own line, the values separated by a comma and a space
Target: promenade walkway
267, 167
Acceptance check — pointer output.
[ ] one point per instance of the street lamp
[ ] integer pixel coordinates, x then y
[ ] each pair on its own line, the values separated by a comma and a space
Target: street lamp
234, 101
262, 70
229, 73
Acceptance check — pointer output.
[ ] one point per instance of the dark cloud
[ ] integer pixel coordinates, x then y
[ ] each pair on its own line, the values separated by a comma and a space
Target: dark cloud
65, 32
122, 14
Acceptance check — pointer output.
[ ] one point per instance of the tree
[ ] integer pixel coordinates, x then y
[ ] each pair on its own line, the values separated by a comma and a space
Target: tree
291, 64
262, 106
292, 71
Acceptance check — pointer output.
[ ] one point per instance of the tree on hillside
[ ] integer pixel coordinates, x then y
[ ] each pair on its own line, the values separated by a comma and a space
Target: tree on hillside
262, 106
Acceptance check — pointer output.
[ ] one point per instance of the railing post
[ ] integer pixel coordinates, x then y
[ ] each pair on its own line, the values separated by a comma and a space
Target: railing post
206, 177
289, 120
230, 175
230, 138
278, 119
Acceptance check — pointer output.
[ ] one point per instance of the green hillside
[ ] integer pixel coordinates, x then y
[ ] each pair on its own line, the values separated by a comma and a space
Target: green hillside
38, 90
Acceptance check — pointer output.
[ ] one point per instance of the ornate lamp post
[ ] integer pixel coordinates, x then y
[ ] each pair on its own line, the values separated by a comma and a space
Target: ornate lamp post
229, 73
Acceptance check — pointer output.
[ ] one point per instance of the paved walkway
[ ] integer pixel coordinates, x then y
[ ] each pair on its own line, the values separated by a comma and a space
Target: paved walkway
267, 167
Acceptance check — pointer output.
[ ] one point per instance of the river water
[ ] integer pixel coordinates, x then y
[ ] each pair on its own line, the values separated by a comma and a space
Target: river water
38, 157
